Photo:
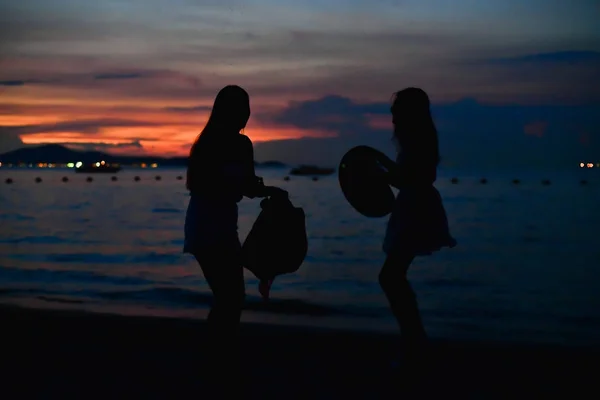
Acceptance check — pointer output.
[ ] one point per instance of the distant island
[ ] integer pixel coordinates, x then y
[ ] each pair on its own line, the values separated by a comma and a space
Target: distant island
62, 156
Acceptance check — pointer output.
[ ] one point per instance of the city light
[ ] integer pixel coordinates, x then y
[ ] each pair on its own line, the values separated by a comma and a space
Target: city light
70, 165
590, 165
79, 164
101, 162
581, 165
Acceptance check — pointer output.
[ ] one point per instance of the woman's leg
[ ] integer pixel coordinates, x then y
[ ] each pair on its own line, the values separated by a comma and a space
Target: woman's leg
221, 362
401, 298
225, 277
223, 271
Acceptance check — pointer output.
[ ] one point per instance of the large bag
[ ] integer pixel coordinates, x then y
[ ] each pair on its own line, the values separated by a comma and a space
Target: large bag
277, 243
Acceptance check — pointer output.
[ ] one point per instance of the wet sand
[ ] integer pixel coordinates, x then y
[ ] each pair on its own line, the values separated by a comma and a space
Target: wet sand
58, 354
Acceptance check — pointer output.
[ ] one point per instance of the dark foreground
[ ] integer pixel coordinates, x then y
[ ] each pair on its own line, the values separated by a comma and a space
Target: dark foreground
55, 354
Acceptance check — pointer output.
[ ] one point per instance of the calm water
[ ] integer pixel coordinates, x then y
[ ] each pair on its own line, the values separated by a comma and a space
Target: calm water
527, 267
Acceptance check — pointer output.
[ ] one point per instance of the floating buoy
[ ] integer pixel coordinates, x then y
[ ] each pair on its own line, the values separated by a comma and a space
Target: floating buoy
286, 178
65, 179
454, 180
179, 177
516, 181
89, 179
9, 180
38, 179
157, 177
137, 178
315, 178
483, 181
113, 178
546, 182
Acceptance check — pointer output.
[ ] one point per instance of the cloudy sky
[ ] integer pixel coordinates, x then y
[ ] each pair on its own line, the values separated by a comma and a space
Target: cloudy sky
513, 83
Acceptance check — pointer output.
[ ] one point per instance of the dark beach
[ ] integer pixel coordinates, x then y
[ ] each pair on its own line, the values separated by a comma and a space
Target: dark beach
53, 354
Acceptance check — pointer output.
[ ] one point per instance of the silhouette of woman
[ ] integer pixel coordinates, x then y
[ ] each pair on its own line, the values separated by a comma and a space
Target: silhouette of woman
418, 224
220, 173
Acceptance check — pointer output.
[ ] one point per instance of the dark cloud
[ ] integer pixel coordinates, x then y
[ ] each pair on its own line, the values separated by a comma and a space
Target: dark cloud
95, 146
20, 82
187, 109
332, 113
88, 126
8, 108
167, 75
564, 57
471, 134
86, 78
100, 77
117, 82
543, 78
13, 83
133, 143
487, 79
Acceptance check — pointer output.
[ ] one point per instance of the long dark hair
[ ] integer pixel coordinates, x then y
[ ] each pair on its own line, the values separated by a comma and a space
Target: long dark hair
414, 128
229, 115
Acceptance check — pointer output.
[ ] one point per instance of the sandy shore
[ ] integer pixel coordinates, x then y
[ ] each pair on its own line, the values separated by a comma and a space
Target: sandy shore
53, 354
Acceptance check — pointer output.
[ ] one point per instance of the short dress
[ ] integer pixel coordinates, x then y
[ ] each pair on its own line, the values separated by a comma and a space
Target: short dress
418, 222
211, 224
211, 220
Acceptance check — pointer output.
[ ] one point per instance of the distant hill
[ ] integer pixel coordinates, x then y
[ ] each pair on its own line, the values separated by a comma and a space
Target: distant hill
58, 154
272, 164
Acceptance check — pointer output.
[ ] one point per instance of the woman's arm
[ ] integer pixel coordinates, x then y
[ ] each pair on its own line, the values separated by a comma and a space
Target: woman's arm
253, 185
410, 170
393, 172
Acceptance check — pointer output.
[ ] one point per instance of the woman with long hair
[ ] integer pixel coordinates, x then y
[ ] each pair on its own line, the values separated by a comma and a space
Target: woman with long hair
220, 173
418, 224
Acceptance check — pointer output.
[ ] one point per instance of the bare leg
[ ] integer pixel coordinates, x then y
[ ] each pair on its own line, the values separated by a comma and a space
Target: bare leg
228, 292
226, 280
402, 300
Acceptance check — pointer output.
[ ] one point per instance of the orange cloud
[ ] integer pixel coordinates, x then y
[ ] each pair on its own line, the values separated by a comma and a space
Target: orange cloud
378, 121
161, 110
162, 130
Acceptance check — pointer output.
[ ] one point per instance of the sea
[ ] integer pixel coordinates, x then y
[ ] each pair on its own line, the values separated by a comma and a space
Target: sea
526, 267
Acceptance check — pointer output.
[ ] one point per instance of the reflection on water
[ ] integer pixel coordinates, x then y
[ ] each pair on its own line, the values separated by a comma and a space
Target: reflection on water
523, 269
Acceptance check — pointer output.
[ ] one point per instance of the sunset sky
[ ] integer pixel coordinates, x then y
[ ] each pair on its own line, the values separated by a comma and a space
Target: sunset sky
511, 81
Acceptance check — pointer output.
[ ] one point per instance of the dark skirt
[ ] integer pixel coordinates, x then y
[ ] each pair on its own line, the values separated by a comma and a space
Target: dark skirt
211, 224
418, 223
